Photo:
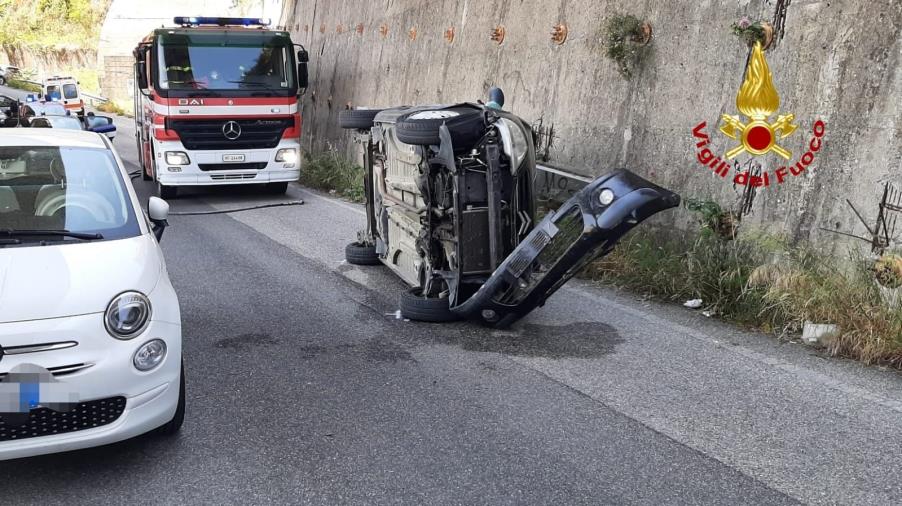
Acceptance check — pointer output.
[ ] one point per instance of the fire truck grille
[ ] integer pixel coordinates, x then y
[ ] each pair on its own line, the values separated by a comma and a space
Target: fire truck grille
211, 134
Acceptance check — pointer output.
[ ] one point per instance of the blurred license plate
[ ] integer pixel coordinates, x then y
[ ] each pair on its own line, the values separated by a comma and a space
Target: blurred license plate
233, 158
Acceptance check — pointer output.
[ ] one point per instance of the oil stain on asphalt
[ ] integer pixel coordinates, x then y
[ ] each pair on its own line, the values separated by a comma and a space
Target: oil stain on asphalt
246, 341
574, 340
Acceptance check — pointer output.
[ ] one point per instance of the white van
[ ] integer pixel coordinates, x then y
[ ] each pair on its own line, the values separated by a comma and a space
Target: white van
63, 89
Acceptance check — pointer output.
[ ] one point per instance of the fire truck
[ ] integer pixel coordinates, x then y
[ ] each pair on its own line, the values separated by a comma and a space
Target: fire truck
216, 102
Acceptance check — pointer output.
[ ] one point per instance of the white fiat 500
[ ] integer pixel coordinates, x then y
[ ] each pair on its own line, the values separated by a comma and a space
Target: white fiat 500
90, 330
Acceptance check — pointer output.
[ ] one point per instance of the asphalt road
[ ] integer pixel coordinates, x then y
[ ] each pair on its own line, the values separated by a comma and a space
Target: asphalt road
303, 387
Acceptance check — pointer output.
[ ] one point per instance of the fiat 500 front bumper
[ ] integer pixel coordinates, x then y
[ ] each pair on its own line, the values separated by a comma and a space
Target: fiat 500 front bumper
113, 400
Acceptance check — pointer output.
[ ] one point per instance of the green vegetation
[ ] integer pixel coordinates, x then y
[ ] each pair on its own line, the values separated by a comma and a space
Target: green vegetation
333, 172
112, 107
763, 281
88, 80
625, 36
22, 85
51, 24
751, 32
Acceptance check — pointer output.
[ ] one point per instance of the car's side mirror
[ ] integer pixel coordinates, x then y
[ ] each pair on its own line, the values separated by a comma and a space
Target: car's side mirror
158, 212
100, 124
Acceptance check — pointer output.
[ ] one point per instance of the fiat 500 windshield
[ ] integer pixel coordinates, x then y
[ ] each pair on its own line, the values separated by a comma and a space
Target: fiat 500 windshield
55, 194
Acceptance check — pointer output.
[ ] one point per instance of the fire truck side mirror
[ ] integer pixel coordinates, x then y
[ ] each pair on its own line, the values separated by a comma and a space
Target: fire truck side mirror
303, 58
140, 76
302, 75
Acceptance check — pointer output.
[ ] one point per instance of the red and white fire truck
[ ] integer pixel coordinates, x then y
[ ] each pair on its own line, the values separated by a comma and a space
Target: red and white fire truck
216, 102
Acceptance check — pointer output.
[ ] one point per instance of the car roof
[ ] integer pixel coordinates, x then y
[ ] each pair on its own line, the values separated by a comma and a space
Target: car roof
49, 108
51, 137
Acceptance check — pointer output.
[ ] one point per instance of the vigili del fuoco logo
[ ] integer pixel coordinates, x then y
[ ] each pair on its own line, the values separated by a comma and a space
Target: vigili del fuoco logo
755, 133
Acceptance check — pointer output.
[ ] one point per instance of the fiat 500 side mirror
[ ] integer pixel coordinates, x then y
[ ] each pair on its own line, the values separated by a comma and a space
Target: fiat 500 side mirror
158, 212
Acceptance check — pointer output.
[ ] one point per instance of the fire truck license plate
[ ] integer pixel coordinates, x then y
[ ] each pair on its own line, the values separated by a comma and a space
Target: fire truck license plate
233, 158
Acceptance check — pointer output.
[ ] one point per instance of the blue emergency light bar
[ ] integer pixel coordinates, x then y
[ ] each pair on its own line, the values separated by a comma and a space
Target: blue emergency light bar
214, 21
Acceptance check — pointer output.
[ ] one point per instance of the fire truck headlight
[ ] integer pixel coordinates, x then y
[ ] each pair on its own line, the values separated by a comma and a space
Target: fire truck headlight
177, 158
288, 155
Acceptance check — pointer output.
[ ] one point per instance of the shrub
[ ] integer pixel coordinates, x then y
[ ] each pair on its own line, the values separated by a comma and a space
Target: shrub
762, 281
625, 36
333, 172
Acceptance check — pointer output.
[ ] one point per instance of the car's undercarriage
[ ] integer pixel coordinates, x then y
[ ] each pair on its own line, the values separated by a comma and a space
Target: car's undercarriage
451, 210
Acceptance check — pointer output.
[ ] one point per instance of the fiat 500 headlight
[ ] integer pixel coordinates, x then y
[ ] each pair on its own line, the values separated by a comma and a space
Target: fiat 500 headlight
127, 315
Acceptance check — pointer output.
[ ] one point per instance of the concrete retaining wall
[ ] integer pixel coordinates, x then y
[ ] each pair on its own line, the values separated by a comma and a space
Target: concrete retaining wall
50, 62
838, 60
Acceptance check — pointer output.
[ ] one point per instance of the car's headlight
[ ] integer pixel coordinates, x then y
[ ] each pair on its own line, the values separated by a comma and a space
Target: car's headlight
127, 315
149, 355
177, 158
514, 142
287, 155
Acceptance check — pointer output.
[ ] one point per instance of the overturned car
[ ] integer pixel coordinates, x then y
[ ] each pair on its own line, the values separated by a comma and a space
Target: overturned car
451, 209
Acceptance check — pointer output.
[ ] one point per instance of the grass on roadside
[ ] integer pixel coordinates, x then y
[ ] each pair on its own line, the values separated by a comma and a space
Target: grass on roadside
112, 108
764, 282
23, 85
333, 172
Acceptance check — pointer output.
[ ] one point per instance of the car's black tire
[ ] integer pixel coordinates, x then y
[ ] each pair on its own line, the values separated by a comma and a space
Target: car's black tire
361, 254
276, 188
465, 124
357, 119
2, 81
172, 427
425, 309
167, 192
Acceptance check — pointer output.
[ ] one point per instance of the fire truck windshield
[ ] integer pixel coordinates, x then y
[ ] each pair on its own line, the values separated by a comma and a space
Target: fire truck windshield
224, 61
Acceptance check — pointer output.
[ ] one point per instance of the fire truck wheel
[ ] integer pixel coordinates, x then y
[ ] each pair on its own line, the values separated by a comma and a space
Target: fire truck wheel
357, 119
425, 309
276, 188
465, 124
167, 192
361, 254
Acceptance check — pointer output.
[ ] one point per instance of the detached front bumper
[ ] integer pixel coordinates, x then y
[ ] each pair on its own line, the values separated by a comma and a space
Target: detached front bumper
580, 231
115, 401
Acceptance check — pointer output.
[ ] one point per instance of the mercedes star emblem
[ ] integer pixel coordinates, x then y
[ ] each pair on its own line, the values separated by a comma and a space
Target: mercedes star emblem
231, 130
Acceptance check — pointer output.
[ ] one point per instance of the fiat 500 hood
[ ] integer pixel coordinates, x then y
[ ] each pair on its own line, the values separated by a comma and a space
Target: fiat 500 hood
75, 278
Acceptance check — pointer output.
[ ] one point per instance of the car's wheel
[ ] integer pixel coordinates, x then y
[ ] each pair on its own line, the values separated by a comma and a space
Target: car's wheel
172, 426
465, 125
167, 192
358, 119
276, 188
425, 309
361, 254
2, 81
